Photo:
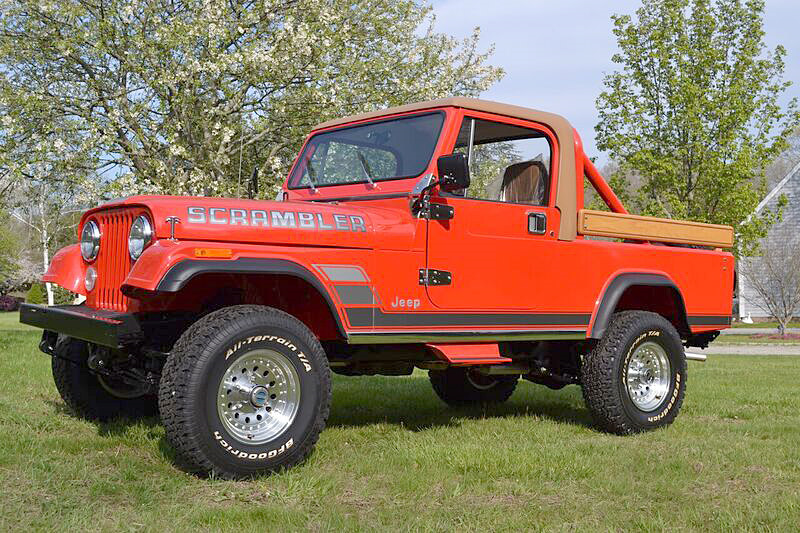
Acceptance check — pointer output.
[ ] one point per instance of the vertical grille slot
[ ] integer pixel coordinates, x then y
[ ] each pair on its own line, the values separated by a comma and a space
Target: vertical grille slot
113, 263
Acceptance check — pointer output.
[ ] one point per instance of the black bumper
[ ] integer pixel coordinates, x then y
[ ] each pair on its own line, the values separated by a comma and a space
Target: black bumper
106, 328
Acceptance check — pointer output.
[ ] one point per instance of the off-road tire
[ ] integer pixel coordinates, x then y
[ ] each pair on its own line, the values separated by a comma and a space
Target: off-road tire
603, 373
83, 393
459, 386
197, 365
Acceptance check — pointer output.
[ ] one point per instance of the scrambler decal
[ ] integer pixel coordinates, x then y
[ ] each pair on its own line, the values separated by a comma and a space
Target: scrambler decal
252, 456
275, 218
270, 338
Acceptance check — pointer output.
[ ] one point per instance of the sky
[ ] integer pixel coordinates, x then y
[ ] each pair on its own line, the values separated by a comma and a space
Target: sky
555, 54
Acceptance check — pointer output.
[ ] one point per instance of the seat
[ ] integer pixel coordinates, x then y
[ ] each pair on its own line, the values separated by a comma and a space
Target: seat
525, 183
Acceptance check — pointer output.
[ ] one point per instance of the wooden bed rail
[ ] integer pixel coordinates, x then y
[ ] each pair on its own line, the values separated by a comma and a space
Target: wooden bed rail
640, 228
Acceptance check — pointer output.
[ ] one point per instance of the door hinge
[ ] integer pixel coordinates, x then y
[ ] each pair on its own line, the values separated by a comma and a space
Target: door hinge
429, 276
432, 211
440, 212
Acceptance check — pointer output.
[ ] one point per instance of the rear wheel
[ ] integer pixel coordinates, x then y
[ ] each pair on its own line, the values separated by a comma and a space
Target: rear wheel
635, 377
459, 386
246, 390
90, 395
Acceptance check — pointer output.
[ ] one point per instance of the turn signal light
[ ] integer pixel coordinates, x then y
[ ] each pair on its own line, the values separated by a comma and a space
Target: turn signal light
224, 253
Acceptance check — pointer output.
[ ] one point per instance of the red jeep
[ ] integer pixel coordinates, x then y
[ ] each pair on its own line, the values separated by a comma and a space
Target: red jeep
449, 236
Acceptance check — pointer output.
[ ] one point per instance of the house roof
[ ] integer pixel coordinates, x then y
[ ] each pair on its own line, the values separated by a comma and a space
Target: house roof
781, 184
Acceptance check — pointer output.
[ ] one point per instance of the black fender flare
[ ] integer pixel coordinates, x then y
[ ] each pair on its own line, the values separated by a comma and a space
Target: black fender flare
617, 288
182, 272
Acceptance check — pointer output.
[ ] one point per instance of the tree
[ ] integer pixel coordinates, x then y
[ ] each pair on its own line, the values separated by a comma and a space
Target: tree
694, 110
52, 187
9, 252
48, 164
51, 213
775, 277
188, 97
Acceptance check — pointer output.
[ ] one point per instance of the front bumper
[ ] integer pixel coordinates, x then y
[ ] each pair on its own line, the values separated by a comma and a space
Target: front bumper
98, 326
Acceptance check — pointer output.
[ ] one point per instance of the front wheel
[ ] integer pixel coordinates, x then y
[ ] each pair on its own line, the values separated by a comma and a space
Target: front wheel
90, 395
245, 391
635, 377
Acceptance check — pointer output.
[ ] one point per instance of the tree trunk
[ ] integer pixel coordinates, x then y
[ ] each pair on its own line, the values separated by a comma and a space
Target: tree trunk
45, 235
46, 263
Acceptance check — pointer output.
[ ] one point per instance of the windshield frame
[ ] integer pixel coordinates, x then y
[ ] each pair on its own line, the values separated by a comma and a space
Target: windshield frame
303, 153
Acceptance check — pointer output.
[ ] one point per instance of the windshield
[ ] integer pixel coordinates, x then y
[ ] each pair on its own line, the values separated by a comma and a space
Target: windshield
379, 151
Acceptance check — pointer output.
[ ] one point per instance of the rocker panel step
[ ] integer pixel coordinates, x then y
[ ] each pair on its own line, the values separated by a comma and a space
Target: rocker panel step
469, 354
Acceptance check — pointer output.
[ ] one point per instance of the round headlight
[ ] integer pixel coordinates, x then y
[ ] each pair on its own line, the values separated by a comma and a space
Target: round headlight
90, 240
90, 280
140, 236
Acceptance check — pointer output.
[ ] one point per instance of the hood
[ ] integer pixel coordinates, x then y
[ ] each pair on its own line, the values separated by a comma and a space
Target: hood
254, 221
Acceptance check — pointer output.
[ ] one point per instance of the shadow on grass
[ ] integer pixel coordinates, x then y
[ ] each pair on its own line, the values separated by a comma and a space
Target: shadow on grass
412, 404
118, 427
122, 427
408, 403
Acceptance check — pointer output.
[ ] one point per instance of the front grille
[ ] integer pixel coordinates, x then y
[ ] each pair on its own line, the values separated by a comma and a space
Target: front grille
113, 262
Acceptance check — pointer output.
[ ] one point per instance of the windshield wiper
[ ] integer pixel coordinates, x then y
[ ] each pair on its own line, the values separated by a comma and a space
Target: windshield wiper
365, 167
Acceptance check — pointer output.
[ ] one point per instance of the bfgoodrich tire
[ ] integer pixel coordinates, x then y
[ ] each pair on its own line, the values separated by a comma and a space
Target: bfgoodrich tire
459, 386
91, 396
635, 377
245, 391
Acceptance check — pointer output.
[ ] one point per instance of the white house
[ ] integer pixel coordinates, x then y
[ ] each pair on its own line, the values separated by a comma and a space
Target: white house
780, 232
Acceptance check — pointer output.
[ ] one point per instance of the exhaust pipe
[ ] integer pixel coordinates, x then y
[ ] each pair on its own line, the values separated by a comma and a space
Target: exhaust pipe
696, 357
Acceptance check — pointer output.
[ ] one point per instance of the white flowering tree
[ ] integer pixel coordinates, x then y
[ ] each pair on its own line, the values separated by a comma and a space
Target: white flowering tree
51, 171
190, 96
50, 211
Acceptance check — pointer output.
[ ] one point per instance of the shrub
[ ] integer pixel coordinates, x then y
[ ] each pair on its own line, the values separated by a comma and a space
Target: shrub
36, 294
62, 296
9, 303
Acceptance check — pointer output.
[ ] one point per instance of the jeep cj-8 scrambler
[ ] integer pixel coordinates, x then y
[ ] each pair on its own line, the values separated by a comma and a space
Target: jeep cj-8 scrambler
449, 236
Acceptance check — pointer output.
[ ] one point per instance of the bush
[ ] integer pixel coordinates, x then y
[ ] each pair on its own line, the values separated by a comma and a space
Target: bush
62, 296
36, 294
9, 303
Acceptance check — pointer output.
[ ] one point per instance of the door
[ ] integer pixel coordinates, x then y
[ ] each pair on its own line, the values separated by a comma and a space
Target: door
498, 246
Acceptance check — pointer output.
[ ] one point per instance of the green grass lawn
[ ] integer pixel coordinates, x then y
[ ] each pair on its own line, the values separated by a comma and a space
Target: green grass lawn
753, 339
395, 458
10, 322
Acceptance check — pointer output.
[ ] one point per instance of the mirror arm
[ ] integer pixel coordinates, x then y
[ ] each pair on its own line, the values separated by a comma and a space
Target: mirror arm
422, 202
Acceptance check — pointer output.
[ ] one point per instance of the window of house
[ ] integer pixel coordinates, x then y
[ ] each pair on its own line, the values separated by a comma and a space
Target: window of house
507, 163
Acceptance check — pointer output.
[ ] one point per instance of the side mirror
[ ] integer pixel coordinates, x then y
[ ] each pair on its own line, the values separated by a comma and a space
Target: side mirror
453, 172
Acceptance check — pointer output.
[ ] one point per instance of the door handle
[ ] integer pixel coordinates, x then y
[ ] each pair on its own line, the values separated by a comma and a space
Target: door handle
537, 223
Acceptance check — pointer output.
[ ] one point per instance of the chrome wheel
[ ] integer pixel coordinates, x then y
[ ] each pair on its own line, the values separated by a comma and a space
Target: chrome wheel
258, 396
648, 376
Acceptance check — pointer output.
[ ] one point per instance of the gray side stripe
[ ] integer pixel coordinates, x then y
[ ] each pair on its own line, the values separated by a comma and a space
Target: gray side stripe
702, 320
343, 273
366, 317
355, 294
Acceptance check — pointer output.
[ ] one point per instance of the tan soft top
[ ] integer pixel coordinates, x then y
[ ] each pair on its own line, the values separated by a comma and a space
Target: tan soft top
567, 182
